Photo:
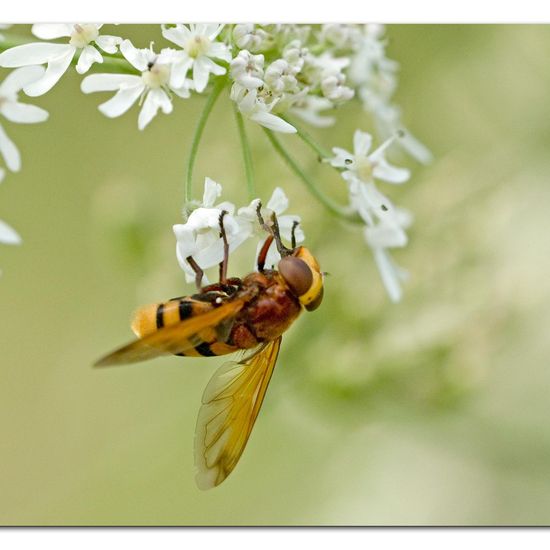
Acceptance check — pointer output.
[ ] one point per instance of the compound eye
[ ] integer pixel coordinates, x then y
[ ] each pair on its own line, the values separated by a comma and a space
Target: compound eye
297, 274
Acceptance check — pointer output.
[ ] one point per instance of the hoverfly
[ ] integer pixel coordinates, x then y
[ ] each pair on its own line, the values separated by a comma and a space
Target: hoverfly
248, 315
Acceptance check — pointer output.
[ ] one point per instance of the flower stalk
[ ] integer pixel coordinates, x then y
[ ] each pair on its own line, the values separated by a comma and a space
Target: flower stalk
219, 85
247, 155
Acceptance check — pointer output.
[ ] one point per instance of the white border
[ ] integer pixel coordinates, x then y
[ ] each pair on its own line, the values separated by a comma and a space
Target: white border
284, 11
266, 539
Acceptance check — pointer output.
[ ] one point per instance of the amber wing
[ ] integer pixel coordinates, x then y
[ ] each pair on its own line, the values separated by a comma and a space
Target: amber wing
176, 338
231, 403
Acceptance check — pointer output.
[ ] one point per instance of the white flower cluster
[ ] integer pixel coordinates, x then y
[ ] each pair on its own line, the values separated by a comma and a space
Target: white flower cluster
273, 72
200, 239
385, 224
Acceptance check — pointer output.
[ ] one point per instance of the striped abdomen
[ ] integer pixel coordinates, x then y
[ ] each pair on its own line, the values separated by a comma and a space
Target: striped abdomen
150, 318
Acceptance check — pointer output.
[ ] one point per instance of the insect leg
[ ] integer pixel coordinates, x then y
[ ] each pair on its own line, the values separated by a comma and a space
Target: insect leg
198, 271
273, 229
263, 253
225, 261
283, 250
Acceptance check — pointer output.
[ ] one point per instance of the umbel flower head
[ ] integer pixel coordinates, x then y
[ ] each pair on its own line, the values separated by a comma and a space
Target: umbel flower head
83, 37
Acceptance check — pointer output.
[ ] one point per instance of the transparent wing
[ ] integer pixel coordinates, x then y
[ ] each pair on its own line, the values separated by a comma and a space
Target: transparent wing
231, 403
175, 338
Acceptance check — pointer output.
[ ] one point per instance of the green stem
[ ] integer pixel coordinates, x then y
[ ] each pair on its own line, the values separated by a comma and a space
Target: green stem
214, 94
247, 156
330, 204
306, 138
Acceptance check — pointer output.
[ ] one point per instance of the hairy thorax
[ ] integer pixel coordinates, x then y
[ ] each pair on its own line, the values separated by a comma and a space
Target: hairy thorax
271, 308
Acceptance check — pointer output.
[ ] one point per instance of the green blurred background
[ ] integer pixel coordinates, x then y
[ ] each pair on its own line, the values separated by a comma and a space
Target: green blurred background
431, 411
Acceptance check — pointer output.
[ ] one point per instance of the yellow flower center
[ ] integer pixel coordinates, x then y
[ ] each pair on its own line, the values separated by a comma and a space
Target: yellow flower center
82, 35
156, 76
364, 168
197, 45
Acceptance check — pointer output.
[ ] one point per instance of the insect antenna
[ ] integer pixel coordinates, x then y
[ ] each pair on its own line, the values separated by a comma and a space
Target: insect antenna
225, 261
295, 224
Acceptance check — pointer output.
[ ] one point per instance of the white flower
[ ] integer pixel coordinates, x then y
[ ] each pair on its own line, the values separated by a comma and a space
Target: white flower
381, 237
367, 167
14, 111
253, 106
83, 37
152, 87
199, 47
200, 237
279, 77
250, 37
278, 203
295, 55
248, 70
333, 88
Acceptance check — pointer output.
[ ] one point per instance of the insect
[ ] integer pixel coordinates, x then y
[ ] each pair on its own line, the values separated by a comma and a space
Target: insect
246, 315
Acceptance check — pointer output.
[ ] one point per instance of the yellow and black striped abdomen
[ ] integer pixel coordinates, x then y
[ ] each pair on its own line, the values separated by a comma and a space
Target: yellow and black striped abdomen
150, 318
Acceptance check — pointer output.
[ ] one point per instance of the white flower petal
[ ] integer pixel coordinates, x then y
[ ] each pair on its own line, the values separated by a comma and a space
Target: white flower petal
9, 151
385, 236
220, 51
185, 237
19, 78
415, 148
49, 31
8, 235
177, 34
339, 161
386, 172
210, 66
35, 53
23, 113
212, 30
362, 142
135, 56
278, 201
178, 73
88, 56
105, 82
212, 190
2, 175
390, 273
55, 70
200, 74
155, 100
286, 223
108, 43
273, 122
121, 101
